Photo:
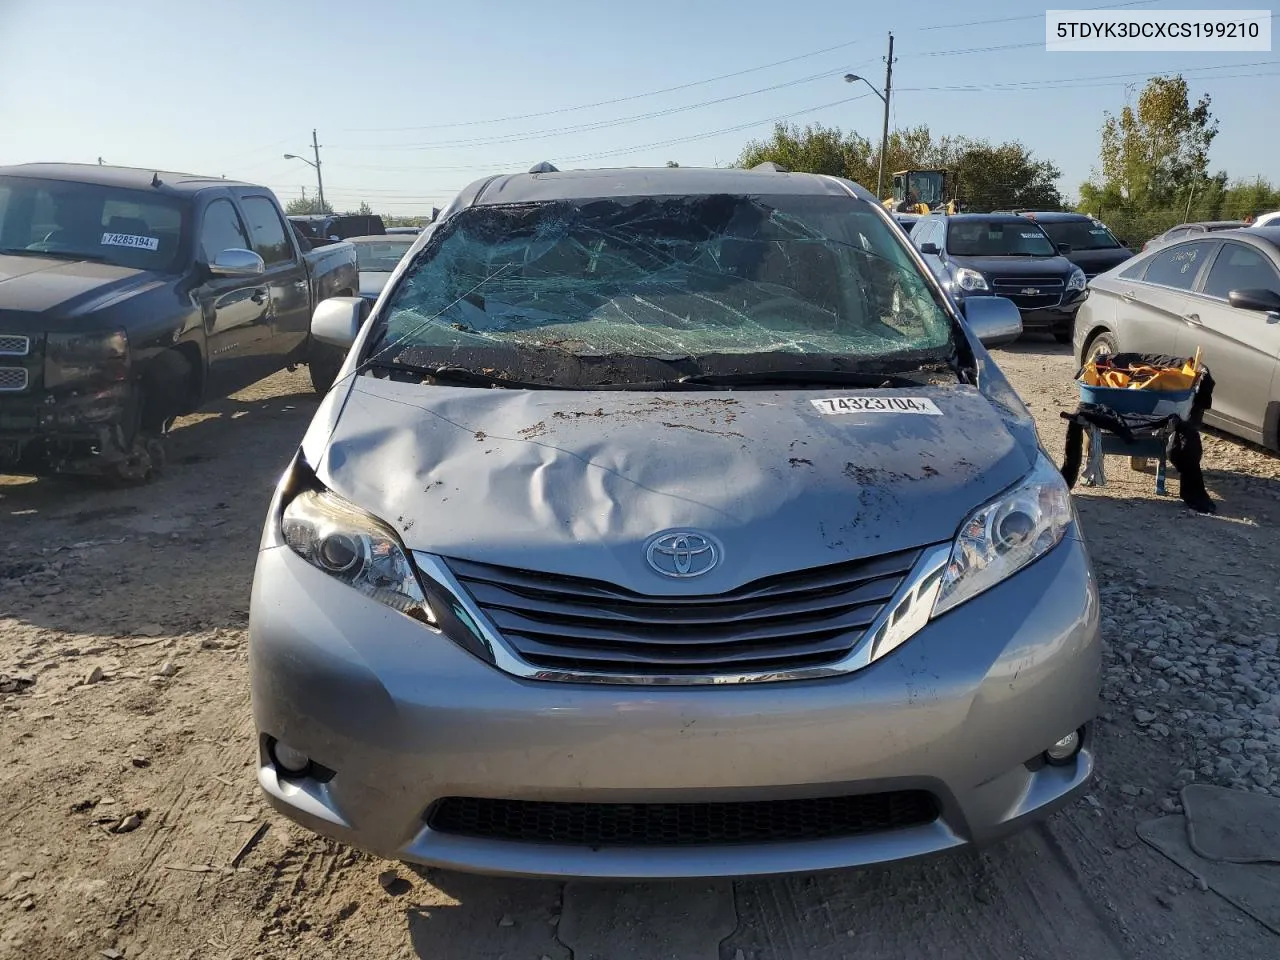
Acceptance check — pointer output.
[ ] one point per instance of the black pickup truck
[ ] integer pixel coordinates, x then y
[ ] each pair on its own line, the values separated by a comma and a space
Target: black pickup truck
128, 297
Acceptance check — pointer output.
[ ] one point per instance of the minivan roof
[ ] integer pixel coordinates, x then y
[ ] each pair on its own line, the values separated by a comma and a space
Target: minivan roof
651, 182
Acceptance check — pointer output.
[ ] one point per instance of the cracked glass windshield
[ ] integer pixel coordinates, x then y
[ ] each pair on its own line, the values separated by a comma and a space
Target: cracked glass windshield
753, 280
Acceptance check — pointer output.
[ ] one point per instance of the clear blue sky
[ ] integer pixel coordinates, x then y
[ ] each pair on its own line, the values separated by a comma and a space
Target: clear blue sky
228, 87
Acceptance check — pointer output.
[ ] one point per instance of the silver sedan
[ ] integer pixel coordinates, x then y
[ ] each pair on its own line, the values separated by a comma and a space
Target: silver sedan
1219, 293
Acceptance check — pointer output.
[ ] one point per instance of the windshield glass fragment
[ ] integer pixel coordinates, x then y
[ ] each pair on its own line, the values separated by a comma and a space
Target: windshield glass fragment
686, 277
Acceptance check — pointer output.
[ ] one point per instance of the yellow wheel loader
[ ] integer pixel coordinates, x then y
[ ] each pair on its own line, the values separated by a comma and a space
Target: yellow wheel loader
921, 191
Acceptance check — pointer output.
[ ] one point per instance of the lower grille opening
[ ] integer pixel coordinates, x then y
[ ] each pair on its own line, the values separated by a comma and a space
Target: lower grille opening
681, 824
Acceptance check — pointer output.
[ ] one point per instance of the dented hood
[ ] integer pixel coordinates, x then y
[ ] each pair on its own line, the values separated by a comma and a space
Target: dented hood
576, 482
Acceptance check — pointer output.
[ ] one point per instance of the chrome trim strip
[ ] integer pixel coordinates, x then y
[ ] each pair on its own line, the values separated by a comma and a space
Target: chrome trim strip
932, 560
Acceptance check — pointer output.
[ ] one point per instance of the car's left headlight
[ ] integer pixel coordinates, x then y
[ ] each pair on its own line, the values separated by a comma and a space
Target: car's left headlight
1077, 280
1003, 536
355, 548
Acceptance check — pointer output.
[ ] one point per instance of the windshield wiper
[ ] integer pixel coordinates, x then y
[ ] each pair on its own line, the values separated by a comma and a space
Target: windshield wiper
461, 376
55, 254
834, 378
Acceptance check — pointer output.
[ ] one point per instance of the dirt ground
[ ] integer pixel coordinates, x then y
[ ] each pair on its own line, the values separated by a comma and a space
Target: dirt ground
129, 811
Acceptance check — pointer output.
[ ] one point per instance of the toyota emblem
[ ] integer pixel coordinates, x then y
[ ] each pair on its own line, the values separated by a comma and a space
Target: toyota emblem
682, 554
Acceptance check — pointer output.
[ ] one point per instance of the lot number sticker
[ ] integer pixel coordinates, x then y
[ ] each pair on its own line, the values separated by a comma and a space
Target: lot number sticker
130, 240
921, 405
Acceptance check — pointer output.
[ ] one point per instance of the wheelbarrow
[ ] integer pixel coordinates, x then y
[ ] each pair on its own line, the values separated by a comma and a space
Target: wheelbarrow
1140, 450
1142, 423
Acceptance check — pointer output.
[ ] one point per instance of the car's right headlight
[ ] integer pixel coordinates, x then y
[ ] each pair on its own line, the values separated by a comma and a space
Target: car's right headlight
970, 280
355, 548
1003, 536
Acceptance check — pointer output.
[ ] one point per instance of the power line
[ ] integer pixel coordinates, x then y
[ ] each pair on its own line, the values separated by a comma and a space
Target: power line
709, 80
1030, 16
1073, 81
614, 100
587, 127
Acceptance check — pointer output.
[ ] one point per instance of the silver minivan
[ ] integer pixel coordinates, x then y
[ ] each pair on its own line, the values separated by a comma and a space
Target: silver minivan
670, 523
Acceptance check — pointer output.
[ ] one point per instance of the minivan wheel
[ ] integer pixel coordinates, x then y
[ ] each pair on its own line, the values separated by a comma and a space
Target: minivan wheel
1102, 343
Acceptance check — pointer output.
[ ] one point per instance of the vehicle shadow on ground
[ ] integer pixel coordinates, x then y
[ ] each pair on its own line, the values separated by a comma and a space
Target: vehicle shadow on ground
1035, 345
484, 918
227, 447
73, 540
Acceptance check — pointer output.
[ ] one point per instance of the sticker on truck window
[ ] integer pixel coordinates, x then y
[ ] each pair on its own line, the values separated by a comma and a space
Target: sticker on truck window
1030, 236
130, 240
921, 405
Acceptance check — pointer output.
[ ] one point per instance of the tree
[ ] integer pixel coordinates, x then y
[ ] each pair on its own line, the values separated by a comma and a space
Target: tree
1159, 151
812, 149
986, 176
1005, 176
304, 205
672, 163
365, 210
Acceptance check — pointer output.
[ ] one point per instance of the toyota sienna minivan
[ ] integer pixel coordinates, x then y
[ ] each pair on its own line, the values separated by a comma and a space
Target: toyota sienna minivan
670, 523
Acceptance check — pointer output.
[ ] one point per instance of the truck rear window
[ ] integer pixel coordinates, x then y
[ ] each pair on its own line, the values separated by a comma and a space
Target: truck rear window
128, 228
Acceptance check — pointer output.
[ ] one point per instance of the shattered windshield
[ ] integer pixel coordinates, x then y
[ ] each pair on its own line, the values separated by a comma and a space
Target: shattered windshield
668, 277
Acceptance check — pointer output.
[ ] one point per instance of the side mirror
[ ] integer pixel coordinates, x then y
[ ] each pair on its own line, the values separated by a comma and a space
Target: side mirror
235, 262
1064, 248
1259, 298
995, 321
931, 249
337, 321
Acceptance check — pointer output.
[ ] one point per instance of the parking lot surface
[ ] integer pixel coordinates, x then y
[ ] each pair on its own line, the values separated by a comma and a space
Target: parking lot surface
133, 826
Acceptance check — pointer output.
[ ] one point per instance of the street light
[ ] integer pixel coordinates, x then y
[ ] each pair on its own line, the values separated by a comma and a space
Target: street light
888, 87
315, 166
884, 139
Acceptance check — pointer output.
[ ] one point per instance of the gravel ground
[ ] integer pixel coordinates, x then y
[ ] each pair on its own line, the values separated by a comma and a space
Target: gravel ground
134, 829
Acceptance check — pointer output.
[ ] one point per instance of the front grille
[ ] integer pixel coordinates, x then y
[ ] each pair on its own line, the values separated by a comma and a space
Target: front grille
1049, 291
13, 379
800, 619
681, 824
12, 345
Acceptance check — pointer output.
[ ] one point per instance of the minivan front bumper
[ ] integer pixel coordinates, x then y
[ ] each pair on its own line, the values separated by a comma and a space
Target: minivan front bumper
398, 720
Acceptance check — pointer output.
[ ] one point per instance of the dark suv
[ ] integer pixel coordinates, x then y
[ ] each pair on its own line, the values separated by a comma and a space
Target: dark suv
1094, 248
1006, 255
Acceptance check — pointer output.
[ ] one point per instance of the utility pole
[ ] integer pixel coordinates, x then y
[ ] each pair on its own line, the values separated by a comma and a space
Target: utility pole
884, 137
320, 182
315, 146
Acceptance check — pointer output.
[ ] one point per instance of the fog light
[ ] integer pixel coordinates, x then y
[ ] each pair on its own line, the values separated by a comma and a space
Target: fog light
288, 759
1065, 749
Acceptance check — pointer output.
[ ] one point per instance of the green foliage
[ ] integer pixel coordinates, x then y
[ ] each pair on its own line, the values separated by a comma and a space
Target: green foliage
813, 149
1154, 170
985, 175
303, 206
1161, 148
